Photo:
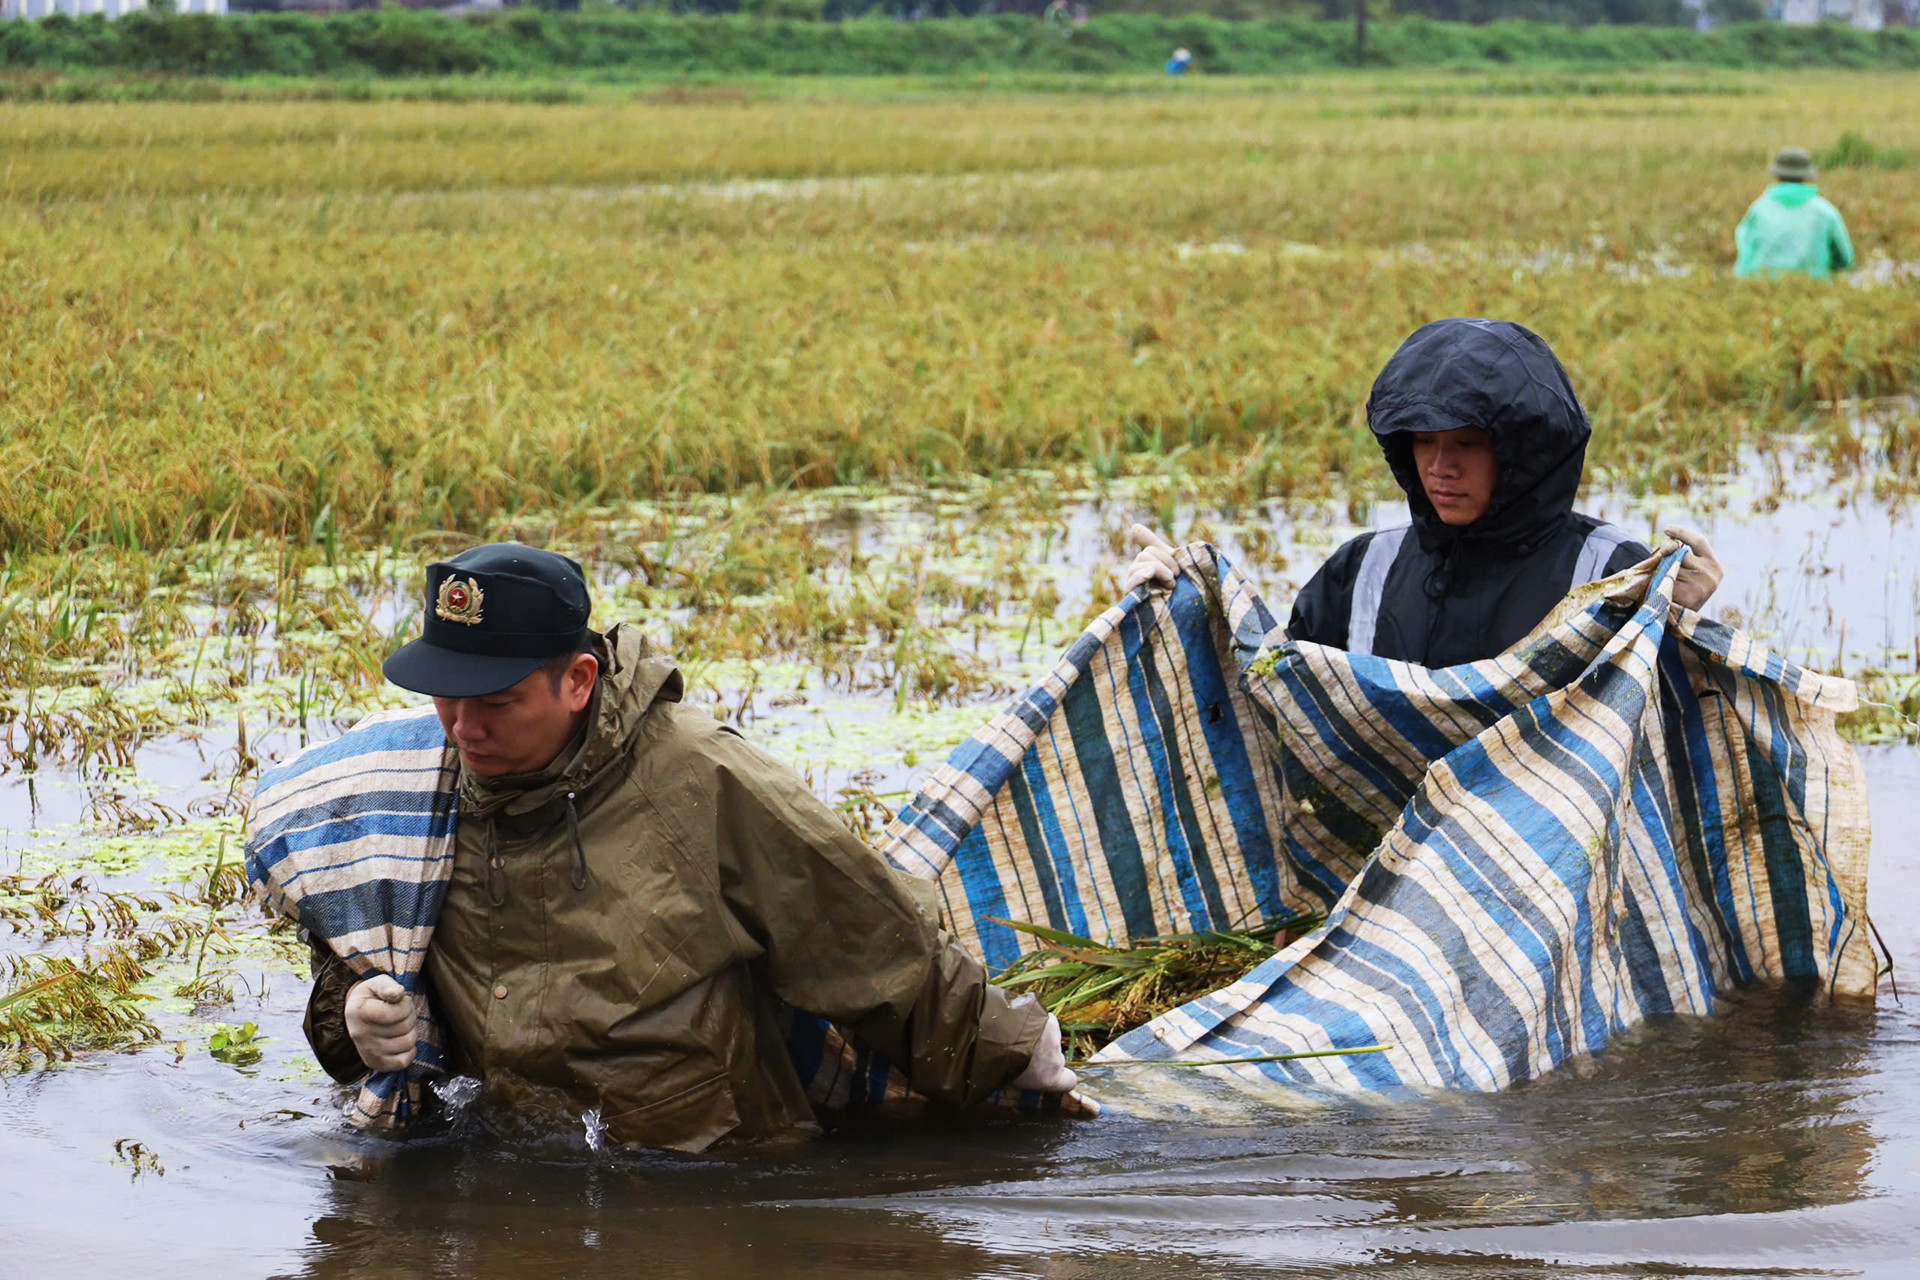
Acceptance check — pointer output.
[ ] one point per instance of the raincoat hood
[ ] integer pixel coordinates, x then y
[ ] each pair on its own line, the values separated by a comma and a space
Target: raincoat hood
1504, 379
632, 679
1792, 194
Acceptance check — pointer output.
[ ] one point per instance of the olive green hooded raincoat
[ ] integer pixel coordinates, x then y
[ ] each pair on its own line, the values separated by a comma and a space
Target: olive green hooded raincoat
619, 928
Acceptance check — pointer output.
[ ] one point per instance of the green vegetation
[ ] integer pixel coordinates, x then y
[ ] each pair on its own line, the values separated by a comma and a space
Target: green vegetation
1889, 708
236, 1046
1854, 151
1100, 992
87, 977
394, 42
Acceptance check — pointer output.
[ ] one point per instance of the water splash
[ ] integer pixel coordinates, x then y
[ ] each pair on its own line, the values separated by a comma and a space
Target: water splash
458, 1093
596, 1130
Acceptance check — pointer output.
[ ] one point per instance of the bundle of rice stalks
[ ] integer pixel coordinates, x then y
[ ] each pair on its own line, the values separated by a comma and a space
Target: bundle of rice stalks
53, 1006
90, 949
1100, 992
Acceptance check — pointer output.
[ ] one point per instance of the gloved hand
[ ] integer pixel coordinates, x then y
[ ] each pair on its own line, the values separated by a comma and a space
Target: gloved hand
380, 1023
1700, 573
1047, 1071
1154, 563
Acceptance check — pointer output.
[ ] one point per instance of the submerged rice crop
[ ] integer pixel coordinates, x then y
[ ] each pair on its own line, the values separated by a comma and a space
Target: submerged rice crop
360, 322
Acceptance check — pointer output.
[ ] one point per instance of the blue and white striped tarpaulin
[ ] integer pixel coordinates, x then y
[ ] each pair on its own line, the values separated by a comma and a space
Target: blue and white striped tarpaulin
1628, 812
354, 839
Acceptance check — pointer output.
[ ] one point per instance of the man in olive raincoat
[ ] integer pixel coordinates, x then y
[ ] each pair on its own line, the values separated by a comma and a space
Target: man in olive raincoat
1791, 229
635, 889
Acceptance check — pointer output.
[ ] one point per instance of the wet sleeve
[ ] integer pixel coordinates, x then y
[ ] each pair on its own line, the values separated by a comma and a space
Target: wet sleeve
845, 936
326, 1021
1840, 248
1325, 605
1625, 556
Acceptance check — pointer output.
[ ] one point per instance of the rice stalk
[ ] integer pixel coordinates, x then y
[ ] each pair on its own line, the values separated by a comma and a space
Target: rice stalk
1100, 992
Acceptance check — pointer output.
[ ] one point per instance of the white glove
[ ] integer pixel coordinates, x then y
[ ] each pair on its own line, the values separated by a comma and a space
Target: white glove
1047, 1070
1700, 573
1154, 563
380, 1023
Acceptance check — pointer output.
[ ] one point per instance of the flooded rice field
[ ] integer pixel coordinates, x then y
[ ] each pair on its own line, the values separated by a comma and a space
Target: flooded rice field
861, 635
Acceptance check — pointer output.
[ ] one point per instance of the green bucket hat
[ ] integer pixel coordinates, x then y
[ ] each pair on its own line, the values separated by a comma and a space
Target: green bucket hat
1793, 164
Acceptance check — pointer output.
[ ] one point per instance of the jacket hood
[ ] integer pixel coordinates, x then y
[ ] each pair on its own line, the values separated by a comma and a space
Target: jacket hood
633, 677
1504, 379
1792, 194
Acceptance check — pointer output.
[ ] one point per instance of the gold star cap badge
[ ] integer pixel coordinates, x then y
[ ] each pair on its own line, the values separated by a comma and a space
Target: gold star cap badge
459, 601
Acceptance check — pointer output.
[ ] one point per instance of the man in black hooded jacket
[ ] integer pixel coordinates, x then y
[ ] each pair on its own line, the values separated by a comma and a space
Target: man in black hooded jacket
1482, 429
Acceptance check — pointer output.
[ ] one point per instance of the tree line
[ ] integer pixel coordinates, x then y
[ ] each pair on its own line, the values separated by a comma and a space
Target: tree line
613, 45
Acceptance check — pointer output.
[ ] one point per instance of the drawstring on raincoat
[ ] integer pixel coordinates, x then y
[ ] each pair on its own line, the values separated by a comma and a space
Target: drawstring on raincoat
579, 849
496, 867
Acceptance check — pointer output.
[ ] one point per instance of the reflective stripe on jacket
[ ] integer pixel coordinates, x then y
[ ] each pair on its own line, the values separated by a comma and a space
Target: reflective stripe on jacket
1389, 612
1437, 594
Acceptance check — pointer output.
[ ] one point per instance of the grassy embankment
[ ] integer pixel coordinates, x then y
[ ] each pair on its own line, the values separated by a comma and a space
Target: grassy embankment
258, 358
624, 47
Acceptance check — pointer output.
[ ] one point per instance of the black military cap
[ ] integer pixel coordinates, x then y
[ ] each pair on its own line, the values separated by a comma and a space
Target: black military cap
494, 615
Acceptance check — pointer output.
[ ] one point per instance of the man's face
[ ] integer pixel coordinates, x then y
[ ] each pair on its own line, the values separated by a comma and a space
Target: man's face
1458, 471
521, 729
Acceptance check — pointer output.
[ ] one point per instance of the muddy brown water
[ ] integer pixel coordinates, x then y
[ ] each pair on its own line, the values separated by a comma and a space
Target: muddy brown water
1780, 1138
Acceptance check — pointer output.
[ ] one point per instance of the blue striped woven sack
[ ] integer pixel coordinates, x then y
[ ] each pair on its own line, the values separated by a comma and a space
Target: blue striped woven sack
353, 839
1630, 811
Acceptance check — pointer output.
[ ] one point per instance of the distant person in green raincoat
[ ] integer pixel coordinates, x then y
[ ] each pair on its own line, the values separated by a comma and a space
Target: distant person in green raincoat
1791, 228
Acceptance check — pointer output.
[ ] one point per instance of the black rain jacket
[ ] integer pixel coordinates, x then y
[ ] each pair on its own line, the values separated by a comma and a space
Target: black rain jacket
1437, 595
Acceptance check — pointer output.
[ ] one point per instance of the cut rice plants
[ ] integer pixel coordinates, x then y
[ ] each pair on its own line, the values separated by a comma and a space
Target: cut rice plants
1100, 992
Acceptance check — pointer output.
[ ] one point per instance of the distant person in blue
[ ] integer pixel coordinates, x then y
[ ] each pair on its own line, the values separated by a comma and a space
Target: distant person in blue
1177, 65
1791, 229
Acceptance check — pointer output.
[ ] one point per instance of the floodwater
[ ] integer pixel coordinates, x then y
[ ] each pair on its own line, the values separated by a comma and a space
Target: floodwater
1781, 1138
